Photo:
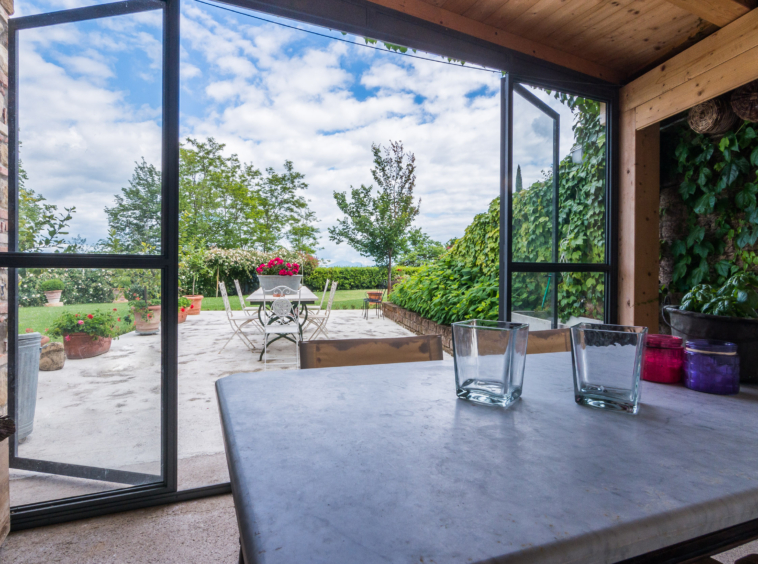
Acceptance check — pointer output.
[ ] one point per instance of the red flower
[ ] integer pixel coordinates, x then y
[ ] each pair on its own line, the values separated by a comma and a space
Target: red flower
77, 315
119, 319
259, 270
182, 309
90, 316
115, 309
67, 337
279, 261
282, 272
192, 306
289, 265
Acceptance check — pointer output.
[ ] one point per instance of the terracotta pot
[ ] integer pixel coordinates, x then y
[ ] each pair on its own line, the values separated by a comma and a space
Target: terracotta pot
53, 298
80, 345
197, 304
183, 315
118, 296
148, 325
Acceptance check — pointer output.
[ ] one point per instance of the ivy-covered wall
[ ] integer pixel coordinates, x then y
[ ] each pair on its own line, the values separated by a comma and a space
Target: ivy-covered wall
709, 213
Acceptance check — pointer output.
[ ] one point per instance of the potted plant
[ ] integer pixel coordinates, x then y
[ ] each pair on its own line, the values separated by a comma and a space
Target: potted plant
193, 262
119, 292
184, 308
276, 272
147, 315
85, 334
53, 289
727, 313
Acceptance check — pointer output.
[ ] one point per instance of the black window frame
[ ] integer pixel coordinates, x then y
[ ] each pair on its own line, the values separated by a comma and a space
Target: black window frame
359, 17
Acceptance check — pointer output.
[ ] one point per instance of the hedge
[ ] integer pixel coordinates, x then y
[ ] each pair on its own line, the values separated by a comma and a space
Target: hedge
355, 277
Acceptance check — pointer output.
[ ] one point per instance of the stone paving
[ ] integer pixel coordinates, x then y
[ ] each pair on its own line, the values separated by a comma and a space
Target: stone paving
105, 411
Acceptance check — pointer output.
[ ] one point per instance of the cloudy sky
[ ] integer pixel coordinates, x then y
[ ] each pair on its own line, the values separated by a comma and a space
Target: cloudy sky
90, 107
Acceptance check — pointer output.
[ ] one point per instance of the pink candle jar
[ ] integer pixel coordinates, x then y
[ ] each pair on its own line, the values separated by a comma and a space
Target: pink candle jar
664, 358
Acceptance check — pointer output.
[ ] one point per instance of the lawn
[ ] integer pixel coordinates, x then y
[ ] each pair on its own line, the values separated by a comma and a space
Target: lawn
343, 299
40, 319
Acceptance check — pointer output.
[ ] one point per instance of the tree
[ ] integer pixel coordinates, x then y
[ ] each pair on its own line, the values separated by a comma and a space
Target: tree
40, 225
422, 249
519, 182
284, 211
135, 218
377, 225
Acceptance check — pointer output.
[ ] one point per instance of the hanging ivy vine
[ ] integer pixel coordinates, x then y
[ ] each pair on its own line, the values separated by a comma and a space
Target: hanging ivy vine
719, 191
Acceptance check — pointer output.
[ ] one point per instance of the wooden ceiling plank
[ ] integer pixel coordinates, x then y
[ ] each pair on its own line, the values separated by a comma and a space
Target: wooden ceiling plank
508, 12
719, 12
732, 74
428, 12
566, 11
605, 14
533, 16
458, 6
715, 50
483, 9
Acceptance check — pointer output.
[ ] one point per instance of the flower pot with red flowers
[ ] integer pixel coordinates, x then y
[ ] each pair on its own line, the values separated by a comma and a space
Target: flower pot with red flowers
276, 272
184, 308
147, 316
85, 334
196, 304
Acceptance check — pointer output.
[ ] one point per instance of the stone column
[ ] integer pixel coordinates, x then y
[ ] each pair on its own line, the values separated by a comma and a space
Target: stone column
6, 9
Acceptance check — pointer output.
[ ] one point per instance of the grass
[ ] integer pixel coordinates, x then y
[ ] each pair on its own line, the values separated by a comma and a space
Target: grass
343, 299
40, 319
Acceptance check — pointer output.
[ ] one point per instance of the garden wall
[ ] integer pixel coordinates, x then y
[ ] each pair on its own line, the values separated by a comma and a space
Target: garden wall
419, 325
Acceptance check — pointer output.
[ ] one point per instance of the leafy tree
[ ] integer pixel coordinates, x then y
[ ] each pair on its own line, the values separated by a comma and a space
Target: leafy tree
378, 225
284, 212
40, 225
135, 218
519, 182
422, 249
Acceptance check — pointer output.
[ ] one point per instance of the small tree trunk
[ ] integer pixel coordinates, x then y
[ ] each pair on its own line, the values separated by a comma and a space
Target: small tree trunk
389, 274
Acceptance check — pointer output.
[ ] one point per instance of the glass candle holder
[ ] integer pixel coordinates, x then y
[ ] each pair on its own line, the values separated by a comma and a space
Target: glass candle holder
664, 358
712, 367
607, 363
489, 360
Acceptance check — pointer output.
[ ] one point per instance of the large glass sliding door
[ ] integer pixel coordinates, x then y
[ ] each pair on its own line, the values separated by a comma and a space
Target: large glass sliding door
93, 99
556, 266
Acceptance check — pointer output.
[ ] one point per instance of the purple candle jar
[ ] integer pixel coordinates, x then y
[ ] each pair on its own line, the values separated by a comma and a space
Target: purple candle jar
712, 367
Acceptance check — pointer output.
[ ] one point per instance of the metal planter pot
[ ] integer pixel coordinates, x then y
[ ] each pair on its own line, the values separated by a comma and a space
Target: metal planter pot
743, 332
269, 282
29, 346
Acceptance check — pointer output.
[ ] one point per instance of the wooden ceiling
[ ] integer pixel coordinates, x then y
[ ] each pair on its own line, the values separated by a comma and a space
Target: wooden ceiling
612, 39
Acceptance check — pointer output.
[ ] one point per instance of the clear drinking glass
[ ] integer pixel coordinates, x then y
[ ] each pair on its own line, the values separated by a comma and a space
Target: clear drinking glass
607, 363
489, 360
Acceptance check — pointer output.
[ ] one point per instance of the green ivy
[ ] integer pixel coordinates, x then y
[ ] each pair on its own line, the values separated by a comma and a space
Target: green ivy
719, 192
463, 283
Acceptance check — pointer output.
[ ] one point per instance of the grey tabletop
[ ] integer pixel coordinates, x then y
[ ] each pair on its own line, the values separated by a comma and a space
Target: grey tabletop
384, 464
306, 296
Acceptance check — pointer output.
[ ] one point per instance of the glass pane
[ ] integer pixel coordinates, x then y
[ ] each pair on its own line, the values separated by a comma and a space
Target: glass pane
91, 397
45, 6
90, 135
581, 298
532, 299
532, 183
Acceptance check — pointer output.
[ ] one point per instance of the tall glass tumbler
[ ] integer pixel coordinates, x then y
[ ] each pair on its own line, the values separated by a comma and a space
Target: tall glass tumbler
607, 363
489, 360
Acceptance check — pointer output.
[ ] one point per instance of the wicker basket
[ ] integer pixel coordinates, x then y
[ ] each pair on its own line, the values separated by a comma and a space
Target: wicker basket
714, 117
745, 101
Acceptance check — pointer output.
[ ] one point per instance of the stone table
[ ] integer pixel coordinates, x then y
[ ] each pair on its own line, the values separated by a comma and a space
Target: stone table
384, 464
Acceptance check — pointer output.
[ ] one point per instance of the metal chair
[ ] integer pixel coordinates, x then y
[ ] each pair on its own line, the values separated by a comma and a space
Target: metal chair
361, 352
282, 320
368, 301
320, 320
320, 307
237, 322
248, 310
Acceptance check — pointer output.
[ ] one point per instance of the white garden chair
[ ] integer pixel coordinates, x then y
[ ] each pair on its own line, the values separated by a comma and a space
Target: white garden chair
319, 319
282, 320
248, 310
320, 307
238, 322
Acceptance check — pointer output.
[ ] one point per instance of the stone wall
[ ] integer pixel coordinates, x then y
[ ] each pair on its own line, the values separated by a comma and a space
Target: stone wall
6, 9
419, 325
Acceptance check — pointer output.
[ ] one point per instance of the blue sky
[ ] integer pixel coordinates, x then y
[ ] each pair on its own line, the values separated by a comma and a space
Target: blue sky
90, 108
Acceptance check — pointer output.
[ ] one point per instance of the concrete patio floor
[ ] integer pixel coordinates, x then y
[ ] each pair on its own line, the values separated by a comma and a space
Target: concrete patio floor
105, 411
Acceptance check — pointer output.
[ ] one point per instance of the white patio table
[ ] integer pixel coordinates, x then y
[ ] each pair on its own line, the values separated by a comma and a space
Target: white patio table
384, 464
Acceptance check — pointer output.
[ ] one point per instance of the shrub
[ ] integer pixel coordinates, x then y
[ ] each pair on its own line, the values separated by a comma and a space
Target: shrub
82, 285
52, 285
355, 277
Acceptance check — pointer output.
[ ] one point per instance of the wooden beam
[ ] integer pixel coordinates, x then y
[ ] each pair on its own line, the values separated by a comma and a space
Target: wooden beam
718, 12
717, 64
431, 13
639, 193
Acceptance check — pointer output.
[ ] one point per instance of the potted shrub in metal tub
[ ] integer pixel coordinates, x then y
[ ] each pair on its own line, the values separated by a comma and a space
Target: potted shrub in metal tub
85, 334
276, 272
727, 314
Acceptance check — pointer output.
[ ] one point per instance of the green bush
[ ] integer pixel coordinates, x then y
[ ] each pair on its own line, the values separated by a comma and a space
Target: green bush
52, 285
355, 277
82, 285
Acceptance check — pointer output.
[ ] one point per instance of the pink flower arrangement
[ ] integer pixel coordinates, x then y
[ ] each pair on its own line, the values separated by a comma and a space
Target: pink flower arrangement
277, 266
80, 322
